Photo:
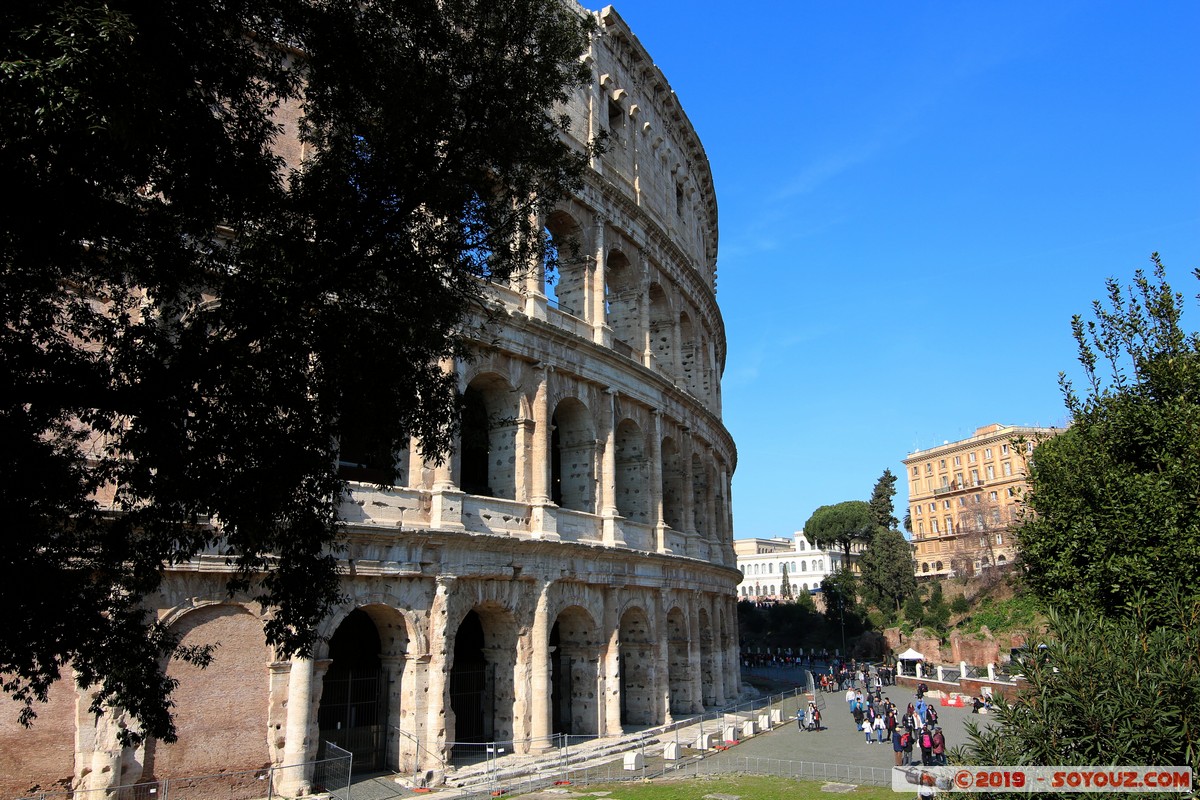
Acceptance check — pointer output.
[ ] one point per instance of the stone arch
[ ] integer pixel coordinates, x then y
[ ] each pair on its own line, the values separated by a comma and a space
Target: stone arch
221, 711
574, 673
672, 484
708, 686
487, 442
638, 706
565, 268
573, 457
361, 686
480, 691
662, 329
679, 668
622, 299
633, 472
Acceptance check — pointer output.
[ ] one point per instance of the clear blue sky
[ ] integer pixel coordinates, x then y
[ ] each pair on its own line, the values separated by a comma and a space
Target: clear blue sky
914, 199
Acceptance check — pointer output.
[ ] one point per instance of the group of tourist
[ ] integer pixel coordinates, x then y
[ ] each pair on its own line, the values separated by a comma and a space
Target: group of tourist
841, 676
916, 729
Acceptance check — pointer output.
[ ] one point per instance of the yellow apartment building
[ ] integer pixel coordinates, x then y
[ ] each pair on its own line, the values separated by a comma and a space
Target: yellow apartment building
964, 498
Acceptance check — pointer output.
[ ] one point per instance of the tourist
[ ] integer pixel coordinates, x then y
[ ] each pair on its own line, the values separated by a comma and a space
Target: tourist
925, 742
939, 747
881, 729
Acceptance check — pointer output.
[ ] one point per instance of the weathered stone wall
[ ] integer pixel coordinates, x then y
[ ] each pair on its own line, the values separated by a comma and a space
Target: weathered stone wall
40, 758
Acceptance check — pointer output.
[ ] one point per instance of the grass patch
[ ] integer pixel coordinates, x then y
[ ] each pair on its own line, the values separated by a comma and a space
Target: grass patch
748, 787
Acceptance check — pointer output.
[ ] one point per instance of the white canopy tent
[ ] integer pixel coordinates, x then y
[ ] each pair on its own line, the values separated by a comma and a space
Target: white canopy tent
910, 655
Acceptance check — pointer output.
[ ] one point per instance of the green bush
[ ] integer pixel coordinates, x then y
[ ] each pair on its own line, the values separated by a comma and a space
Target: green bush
1122, 690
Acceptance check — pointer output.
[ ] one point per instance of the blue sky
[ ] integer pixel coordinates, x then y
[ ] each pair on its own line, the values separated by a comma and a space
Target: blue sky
914, 199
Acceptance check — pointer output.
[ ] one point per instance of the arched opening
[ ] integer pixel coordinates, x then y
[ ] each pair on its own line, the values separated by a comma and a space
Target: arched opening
679, 671
633, 495
471, 683
622, 299
708, 686
662, 330
672, 484
565, 265
573, 457
574, 659
481, 679
353, 710
488, 438
638, 705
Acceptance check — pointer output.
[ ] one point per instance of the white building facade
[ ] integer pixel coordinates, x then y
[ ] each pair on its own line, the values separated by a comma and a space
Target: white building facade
768, 564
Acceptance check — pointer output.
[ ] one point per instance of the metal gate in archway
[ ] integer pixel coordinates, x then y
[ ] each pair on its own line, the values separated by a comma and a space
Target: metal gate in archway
353, 714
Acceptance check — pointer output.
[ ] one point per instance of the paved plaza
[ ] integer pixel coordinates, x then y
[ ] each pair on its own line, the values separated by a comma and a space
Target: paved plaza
840, 742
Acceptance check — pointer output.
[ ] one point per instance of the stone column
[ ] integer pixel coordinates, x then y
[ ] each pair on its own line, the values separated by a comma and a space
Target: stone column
601, 332
543, 523
662, 655
654, 461
689, 489
541, 725
695, 668
732, 650
644, 303
297, 749
437, 674
612, 666
719, 655
608, 482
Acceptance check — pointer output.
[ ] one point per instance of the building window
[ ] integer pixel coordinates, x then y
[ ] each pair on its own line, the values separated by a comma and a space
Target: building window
1012, 491
999, 538
804, 566
958, 461
975, 499
971, 457
941, 463
949, 525
929, 468
933, 526
1029, 448
918, 509
1006, 468
932, 508
921, 528
1003, 449
958, 478
945, 504
945, 482
993, 496
975, 477
987, 452
995, 516
793, 566
962, 501
991, 472
916, 472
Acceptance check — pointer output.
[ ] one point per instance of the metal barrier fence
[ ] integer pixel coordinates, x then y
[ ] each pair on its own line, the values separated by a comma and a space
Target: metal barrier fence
332, 775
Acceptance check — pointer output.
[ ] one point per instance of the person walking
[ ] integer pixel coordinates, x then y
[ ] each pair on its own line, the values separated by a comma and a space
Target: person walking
881, 728
939, 747
898, 747
925, 742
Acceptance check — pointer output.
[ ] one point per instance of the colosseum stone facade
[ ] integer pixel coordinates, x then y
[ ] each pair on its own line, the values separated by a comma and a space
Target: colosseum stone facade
569, 571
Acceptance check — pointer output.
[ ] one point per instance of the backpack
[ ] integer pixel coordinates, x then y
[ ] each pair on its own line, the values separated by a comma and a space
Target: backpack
926, 742
905, 740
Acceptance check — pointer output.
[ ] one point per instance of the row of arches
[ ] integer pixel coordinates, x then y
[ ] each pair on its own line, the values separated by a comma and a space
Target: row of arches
642, 306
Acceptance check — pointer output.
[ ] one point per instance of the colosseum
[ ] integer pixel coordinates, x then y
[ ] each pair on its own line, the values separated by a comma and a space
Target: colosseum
569, 570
